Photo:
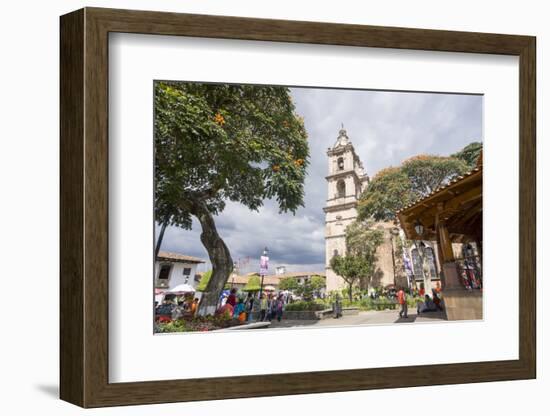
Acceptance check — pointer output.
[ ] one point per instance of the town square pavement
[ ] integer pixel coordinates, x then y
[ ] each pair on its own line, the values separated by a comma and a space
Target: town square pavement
362, 318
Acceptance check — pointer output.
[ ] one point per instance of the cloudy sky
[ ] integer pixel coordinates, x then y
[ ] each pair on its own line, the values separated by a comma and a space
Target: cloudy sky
384, 127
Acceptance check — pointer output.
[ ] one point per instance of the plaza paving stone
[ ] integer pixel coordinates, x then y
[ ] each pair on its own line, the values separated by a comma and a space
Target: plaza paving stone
363, 318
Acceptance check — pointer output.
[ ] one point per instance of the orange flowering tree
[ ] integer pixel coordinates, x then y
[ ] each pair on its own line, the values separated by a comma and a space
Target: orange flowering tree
216, 143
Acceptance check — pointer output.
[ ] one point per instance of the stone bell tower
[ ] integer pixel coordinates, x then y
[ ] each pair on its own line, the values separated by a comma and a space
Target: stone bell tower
345, 181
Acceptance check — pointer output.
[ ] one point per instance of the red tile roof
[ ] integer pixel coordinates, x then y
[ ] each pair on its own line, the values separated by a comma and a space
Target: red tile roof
178, 257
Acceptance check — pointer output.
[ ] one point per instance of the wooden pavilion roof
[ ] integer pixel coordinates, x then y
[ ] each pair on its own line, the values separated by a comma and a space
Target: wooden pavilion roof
459, 204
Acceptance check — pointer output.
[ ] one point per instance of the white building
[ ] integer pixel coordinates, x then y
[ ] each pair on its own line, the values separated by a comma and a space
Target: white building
173, 269
345, 181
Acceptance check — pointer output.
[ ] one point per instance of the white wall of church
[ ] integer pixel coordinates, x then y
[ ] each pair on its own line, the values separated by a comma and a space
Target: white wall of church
341, 210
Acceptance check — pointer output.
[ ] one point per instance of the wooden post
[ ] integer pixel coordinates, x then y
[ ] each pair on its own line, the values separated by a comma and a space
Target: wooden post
445, 243
450, 273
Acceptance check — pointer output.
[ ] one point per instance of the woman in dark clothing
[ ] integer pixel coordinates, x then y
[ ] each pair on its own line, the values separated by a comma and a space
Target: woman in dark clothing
232, 298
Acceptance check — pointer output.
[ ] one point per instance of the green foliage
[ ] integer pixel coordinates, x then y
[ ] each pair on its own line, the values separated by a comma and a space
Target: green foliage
289, 283
351, 268
317, 282
173, 326
382, 303
197, 323
426, 173
393, 188
386, 193
253, 284
412, 301
316, 305
470, 154
356, 293
367, 303
305, 290
363, 240
218, 142
201, 287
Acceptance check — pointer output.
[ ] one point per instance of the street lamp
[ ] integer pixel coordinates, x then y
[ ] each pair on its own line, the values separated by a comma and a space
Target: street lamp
419, 228
264, 265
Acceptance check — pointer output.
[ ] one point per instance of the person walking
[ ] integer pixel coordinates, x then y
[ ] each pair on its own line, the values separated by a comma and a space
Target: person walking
337, 307
402, 299
271, 307
249, 306
279, 307
263, 307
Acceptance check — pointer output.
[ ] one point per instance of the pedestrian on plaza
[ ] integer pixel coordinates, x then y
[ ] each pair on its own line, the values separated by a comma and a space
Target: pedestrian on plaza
224, 300
337, 307
270, 307
279, 307
436, 299
239, 312
225, 311
422, 291
249, 306
194, 306
402, 299
427, 306
263, 307
232, 298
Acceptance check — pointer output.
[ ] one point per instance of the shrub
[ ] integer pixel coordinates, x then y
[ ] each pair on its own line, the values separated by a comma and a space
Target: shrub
384, 303
316, 305
367, 304
412, 301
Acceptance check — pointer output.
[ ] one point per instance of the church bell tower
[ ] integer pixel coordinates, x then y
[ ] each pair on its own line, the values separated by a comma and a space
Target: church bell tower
346, 181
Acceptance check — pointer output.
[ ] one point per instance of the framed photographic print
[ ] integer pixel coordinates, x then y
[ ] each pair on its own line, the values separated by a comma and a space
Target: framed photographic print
353, 205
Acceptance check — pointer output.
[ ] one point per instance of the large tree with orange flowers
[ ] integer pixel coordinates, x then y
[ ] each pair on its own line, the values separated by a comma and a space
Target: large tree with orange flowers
216, 143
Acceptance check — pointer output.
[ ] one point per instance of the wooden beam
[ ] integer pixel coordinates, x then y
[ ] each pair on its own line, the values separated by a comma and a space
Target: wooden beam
444, 240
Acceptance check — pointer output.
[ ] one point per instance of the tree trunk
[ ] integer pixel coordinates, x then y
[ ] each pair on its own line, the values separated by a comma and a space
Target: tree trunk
350, 292
159, 240
220, 257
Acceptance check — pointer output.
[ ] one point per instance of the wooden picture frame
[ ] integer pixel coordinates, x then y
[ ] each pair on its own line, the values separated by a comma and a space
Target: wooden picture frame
84, 207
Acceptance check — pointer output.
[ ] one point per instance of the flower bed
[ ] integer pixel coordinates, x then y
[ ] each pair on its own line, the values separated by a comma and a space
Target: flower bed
196, 324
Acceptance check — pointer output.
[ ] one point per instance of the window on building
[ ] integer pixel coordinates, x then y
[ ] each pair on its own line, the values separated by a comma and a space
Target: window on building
417, 264
165, 271
340, 163
341, 189
430, 258
187, 271
470, 267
